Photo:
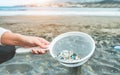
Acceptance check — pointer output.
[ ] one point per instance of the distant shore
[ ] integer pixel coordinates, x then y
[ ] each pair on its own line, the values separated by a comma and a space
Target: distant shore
78, 4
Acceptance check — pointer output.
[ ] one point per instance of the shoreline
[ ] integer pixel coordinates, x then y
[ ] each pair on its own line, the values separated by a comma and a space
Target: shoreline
60, 12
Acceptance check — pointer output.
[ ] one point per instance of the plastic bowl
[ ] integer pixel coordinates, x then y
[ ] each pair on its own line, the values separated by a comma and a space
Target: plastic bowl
78, 42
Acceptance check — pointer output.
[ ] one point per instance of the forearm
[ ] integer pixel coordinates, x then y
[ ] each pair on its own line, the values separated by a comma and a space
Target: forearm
14, 39
9, 38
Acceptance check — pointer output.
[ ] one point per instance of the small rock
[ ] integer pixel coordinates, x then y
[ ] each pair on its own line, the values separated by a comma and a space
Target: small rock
68, 56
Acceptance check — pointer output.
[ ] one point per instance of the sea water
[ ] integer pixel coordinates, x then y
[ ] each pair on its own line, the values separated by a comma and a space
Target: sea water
18, 11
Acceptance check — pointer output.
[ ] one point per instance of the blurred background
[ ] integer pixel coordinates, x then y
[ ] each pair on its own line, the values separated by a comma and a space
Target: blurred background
60, 7
49, 18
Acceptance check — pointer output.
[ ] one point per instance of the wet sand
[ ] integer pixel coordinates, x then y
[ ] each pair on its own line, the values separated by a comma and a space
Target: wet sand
104, 30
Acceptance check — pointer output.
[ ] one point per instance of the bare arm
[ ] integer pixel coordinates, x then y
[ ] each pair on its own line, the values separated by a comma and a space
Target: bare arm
9, 38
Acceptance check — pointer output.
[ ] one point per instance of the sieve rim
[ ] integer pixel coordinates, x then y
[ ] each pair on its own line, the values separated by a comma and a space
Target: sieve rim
68, 34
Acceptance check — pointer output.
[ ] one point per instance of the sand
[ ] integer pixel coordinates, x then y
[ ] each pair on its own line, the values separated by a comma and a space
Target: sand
104, 30
54, 25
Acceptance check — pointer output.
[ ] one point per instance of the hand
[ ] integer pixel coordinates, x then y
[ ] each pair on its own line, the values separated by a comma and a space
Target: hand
9, 38
30, 41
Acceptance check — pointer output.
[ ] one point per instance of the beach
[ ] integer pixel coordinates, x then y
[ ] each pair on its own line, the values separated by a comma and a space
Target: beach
104, 30
54, 25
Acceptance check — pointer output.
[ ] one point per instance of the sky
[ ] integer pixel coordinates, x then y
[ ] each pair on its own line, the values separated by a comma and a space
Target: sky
22, 2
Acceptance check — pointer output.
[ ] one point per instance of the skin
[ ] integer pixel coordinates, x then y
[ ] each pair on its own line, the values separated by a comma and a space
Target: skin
14, 39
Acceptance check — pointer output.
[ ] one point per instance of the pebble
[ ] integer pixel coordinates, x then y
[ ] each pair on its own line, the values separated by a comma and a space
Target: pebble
68, 56
117, 47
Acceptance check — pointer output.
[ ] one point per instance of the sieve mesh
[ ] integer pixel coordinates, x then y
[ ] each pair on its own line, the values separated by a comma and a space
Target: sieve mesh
77, 44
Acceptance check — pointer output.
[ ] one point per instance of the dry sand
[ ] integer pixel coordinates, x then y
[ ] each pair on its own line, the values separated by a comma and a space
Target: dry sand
54, 25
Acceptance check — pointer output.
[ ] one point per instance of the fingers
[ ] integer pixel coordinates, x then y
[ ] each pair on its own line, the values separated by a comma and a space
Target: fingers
42, 43
40, 51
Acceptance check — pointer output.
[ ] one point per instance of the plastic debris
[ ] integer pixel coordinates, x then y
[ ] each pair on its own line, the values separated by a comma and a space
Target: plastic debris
117, 47
68, 55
